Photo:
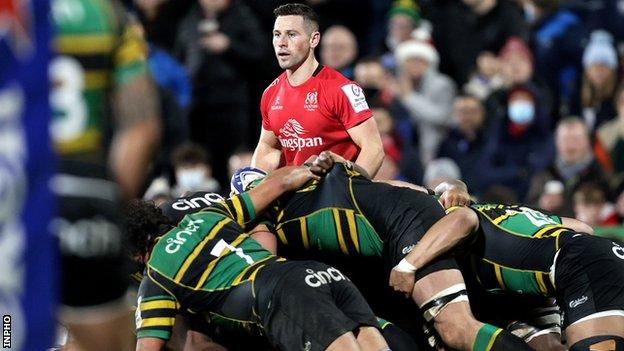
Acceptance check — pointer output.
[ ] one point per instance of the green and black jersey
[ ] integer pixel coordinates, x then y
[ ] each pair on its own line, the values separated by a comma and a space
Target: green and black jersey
205, 265
96, 49
349, 214
514, 248
324, 216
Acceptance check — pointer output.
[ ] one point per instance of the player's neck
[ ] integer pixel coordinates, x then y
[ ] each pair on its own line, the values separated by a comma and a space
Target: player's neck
302, 73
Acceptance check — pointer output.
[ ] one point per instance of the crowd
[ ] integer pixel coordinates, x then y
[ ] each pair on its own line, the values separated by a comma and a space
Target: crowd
520, 99
523, 100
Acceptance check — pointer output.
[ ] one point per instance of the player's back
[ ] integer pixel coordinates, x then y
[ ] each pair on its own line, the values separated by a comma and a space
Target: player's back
324, 216
516, 246
95, 49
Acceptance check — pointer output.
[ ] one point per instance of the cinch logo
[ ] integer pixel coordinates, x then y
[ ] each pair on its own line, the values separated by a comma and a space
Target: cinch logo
316, 279
290, 137
173, 245
618, 250
197, 202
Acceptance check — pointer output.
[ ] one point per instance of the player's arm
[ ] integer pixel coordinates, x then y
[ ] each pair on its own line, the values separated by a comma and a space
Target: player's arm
576, 225
150, 344
265, 237
268, 151
447, 233
136, 113
277, 183
366, 136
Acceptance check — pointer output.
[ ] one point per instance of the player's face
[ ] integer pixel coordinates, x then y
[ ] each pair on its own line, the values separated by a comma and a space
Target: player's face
292, 41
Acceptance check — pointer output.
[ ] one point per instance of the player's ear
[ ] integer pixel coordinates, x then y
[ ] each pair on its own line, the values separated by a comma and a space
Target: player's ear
315, 39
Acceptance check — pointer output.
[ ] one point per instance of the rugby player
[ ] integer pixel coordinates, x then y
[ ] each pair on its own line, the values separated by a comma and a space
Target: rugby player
310, 107
519, 249
99, 67
350, 215
207, 265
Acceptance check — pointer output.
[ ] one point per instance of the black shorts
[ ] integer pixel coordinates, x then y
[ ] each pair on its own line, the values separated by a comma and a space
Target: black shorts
402, 216
309, 306
94, 264
589, 277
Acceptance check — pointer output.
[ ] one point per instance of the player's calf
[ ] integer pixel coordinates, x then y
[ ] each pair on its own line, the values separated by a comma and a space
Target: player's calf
600, 343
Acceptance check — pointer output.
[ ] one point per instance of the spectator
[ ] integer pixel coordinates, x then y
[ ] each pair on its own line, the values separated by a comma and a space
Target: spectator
552, 199
239, 159
464, 29
468, 145
521, 140
599, 80
439, 171
487, 77
556, 43
339, 50
403, 19
425, 93
610, 138
214, 42
193, 171
592, 207
574, 164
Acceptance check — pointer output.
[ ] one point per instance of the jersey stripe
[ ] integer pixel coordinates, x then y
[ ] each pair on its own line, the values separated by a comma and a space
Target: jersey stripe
355, 236
303, 223
539, 276
247, 272
282, 236
339, 233
238, 208
150, 305
157, 322
85, 43
499, 275
198, 249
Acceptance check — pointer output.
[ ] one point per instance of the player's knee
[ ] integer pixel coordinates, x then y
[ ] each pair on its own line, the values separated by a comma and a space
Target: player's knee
452, 331
600, 343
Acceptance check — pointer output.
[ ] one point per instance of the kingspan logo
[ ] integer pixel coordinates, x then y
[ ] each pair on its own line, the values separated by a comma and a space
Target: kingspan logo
290, 136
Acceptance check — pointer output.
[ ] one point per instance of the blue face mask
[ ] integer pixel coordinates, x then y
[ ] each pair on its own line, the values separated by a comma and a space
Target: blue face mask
521, 112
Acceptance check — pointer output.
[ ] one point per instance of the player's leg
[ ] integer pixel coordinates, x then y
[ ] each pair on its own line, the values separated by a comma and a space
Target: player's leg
346, 341
442, 297
371, 339
111, 334
397, 338
94, 266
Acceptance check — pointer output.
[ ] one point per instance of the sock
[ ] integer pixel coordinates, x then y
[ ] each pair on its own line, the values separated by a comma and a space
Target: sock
491, 338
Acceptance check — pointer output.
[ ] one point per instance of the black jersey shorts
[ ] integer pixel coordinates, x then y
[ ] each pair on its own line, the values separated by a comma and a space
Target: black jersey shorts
589, 277
95, 268
401, 216
310, 305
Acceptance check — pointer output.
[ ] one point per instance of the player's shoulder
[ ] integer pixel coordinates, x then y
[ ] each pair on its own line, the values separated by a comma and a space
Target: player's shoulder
274, 84
334, 81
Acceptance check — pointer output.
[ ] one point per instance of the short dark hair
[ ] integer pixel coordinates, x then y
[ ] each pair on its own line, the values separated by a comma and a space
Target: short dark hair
310, 18
189, 153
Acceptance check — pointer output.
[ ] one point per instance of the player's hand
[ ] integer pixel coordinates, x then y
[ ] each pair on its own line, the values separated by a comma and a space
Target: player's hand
402, 281
216, 43
454, 197
293, 177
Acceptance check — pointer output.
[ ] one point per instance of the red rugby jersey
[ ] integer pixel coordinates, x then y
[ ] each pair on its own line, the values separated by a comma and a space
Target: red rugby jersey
315, 115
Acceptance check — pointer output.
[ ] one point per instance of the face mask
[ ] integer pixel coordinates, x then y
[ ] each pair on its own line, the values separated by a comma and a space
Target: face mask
191, 178
521, 112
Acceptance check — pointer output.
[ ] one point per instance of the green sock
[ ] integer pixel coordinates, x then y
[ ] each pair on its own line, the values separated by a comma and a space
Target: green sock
485, 337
